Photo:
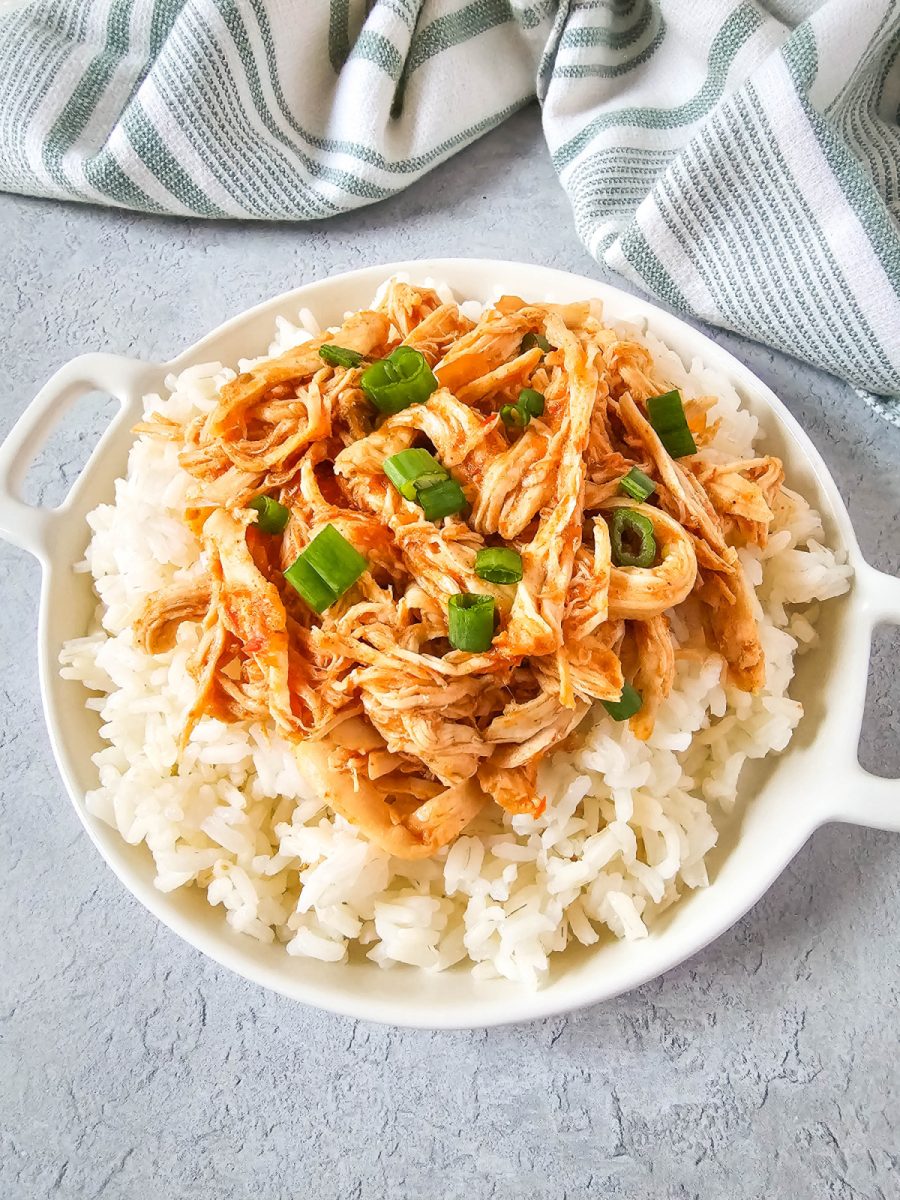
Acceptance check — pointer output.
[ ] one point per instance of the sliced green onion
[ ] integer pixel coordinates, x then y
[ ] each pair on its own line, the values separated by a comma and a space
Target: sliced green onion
498, 564
441, 499
332, 556
530, 340
471, 621
310, 585
272, 516
667, 417
411, 469
626, 706
417, 475
340, 356
401, 379
631, 539
637, 485
531, 402
424, 482
326, 569
512, 416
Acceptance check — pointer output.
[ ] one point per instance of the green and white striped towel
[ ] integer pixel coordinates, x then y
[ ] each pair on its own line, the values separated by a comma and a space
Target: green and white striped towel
739, 160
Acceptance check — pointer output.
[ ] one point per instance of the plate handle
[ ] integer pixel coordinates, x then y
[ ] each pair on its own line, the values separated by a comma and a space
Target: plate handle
867, 799
127, 379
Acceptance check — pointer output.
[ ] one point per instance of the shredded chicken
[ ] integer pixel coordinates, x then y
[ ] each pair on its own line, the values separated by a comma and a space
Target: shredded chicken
157, 625
405, 736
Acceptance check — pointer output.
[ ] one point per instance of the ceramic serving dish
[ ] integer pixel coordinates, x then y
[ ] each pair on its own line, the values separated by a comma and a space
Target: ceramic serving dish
781, 801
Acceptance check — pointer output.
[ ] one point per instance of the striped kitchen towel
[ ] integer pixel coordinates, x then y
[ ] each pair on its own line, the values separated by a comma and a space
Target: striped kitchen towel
739, 160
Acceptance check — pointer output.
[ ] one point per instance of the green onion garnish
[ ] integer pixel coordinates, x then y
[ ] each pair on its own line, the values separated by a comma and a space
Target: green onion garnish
631, 539
340, 356
413, 469
498, 564
530, 404
310, 585
272, 516
667, 417
530, 340
441, 499
401, 379
637, 485
326, 569
471, 621
417, 475
332, 556
512, 416
626, 706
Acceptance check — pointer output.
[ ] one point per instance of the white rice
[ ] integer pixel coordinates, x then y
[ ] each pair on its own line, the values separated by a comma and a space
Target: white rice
627, 825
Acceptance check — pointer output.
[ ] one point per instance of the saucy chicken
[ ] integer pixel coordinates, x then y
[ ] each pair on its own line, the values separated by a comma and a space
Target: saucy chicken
430, 546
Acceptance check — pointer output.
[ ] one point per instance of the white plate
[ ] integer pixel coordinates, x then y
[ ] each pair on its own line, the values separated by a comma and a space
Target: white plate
781, 801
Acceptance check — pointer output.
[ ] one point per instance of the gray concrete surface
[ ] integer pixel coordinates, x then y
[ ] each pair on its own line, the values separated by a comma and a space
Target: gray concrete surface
133, 1068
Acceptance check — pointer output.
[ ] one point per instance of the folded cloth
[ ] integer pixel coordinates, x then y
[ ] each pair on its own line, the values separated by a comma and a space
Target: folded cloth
740, 161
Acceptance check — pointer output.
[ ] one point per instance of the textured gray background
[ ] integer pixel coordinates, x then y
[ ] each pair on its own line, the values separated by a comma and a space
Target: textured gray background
134, 1068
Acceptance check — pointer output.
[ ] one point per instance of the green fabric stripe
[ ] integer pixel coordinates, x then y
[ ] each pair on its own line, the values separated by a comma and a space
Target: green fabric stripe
801, 56
338, 33
610, 70
717, 268
165, 14
68, 20
588, 36
452, 28
318, 205
531, 18
736, 29
105, 174
548, 57
404, 10
875, 144
716, 264
715, 256
159, 159
374, 48
103, 171
444, 33
344, 180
